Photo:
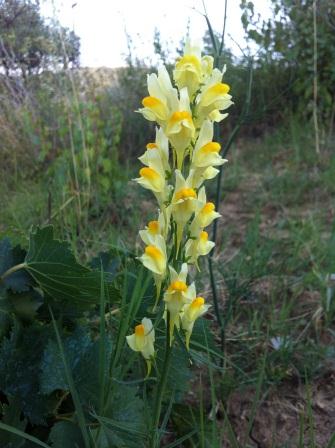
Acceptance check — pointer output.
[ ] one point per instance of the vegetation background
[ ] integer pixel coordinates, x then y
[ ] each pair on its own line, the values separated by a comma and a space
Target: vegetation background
263, 375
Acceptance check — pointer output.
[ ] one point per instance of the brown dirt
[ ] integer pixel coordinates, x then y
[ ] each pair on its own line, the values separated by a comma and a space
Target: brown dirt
282, 416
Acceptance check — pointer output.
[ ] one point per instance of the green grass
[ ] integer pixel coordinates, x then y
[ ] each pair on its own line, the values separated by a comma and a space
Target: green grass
277, 248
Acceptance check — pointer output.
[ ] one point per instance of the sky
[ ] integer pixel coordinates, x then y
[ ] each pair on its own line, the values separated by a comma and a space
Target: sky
103, 25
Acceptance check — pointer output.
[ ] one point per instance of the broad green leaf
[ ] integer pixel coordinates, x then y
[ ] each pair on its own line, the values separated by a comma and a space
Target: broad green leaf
5, 310
56, 270
11, 416
31, 440
66, 435
179, 375
20, 359
82, 355
124, 424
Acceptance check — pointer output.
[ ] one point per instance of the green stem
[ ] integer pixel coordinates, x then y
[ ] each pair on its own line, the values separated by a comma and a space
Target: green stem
222, 323
12, 270
217, 308
162, 385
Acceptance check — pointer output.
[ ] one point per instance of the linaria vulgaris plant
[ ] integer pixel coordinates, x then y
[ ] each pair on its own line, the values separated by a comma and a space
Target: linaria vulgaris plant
175, 169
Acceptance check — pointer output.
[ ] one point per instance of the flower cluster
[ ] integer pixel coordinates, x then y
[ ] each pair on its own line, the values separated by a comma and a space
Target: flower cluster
175, 167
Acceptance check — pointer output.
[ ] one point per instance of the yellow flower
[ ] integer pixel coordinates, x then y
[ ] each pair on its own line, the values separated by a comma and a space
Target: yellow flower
157, 153
190, 314
212, 98
189, 69
192, 69
206, 152
151, 179
162, 97
199, 246
183, 203
156, 227
142, 340
177, 295
204, 214
154, 257
180, 127
154, 179
154, 109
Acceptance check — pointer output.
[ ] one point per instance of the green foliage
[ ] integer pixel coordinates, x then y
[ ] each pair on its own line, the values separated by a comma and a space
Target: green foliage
80, 352
28, 44
12, 416
65, 435
53, 266
20, 363
46, 376
19, 281
125, 423
286, 50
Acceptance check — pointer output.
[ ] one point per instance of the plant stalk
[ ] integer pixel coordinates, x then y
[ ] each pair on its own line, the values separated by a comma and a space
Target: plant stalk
234, 133
162, 384
13, 269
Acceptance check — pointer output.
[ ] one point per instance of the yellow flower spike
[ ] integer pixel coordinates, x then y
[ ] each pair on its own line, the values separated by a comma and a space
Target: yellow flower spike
190, 314
142, 340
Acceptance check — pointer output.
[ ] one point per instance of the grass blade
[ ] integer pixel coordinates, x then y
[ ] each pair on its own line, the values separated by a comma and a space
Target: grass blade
22, 434
182, 439
102, 343
331, 443
74, 393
